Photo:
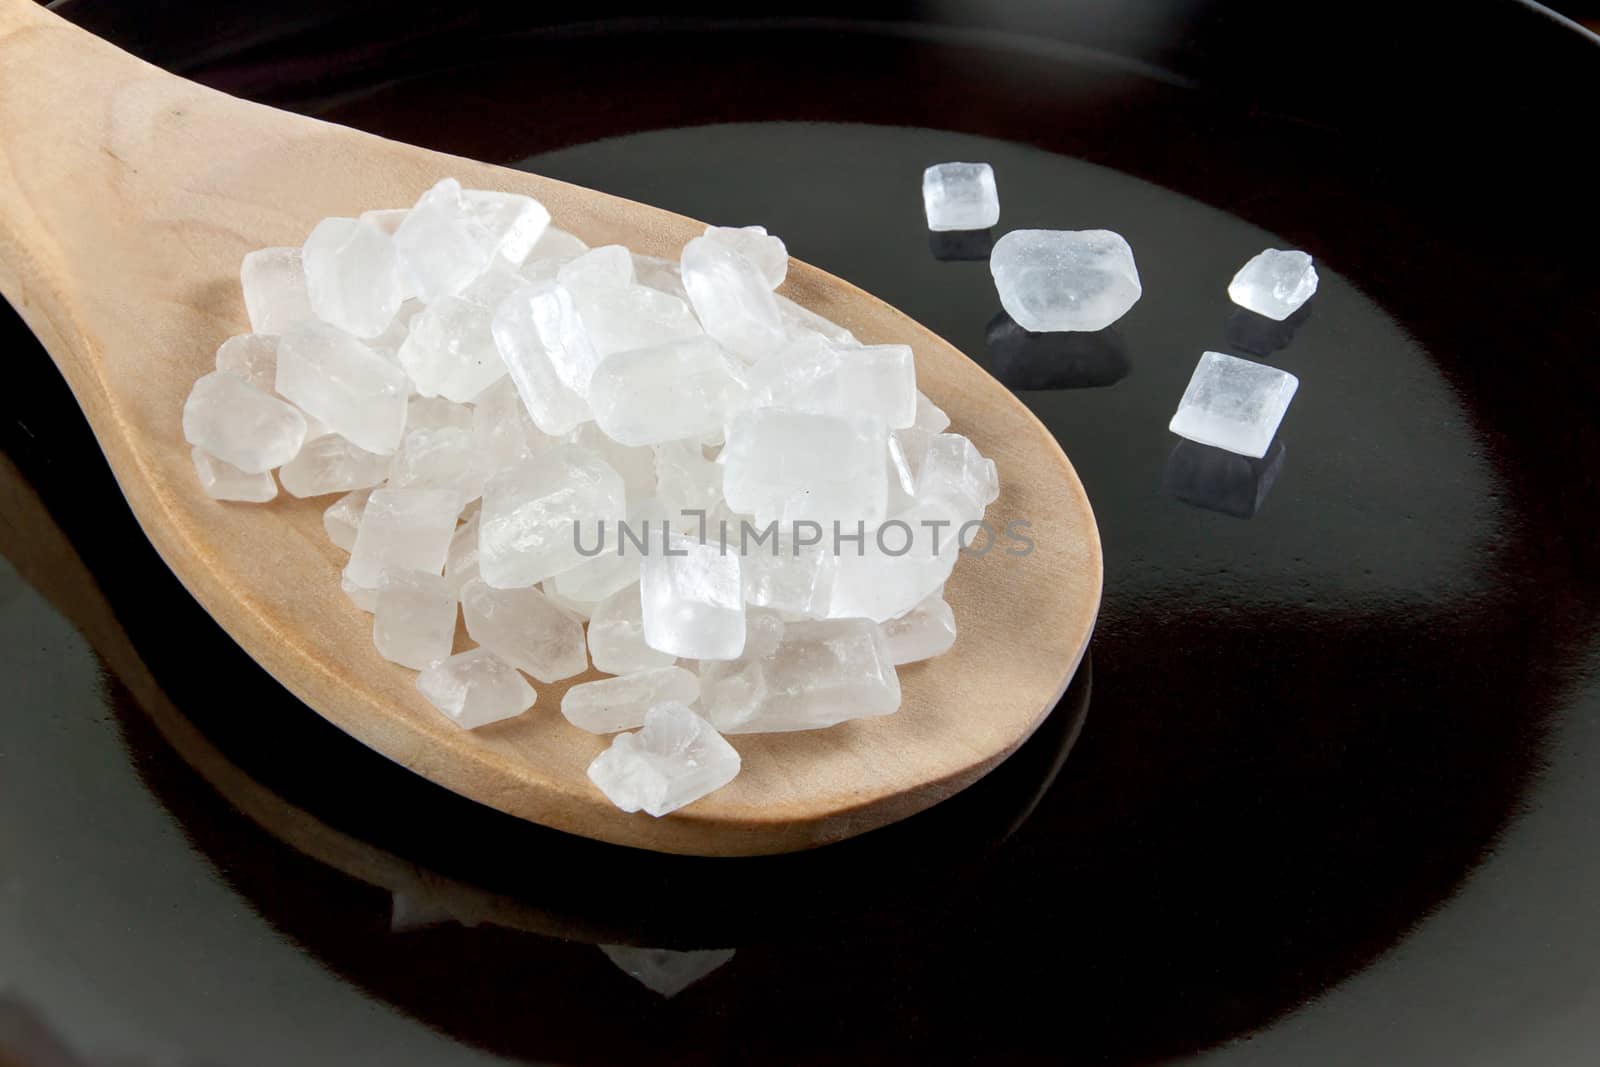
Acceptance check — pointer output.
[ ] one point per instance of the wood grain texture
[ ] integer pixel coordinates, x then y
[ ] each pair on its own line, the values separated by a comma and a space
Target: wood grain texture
128, 198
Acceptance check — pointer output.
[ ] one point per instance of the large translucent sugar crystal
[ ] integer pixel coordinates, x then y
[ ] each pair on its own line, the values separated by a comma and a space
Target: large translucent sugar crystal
514, 224
443, 244
475, 688
926, 631
505, 432
536, 514
897, 566
274, 283
685, 479
788, 575
952, 467
520, 326
758, 246
332, 465
616, 635
731, 298
230, 419
675, 760
960, 196
613, 704
224, 481
801, 322
450, 350
402, 530
693, 600
666, 393
616, 568
1064, 279
525, 629
441, 457
1234, 404
352, 276
793, 466
819, 674
343, 518
623, 318
606, 267
253, 357
415, 621
1274, 283
333, 377
817, 376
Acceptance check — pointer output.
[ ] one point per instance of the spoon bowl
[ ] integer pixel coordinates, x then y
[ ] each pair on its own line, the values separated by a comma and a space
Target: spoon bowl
126, 208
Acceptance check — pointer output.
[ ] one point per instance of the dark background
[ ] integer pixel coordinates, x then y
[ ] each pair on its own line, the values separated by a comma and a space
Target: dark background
1323, 791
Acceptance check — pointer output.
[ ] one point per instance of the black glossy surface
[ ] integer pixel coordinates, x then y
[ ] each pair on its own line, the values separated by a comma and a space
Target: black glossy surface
1335, 756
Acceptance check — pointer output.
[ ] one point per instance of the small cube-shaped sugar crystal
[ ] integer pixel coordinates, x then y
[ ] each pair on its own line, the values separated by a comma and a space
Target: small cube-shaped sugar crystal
352, 275
793, 466
536, 515
404, 530
415, 621
1064, 279
960, 196
675, 760
1274, 283
237, 423
1234, 404
693, 600
475, 688
274, 283
332, 376
527, 630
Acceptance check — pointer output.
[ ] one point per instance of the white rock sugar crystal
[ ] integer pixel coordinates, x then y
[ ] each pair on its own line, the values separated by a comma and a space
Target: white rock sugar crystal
253, 357
333, 377
613, 704
616, 636
526, 630
403, 530
693, 600
1274, 283
491, 396
654, 395
731, 298
793, 466
415, 621
675, 760
960, 196
535, 513
1234, 404
767, 252
224, 481
475, 688
274, 283
242, 426
1064, 279
820, 674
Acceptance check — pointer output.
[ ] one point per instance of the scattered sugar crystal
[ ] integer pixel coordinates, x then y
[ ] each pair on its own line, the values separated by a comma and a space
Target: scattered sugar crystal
897, 566
403, 529
224, 481
505, 432
332, 465
613, 704
693, 600
768, 253
415, 621
352, 276
926, 631
802, 322
666, 393
526, 630
1064, 279
461, 562
515, 224
616, 636
274, 283
960, 196
237, 423
535, 514
787, 575
731, 299
794, 466
343, 518
450, 350
443, 457
1234, 404
624, 318
475, 688
554, 407
253, 357
442, 245
675, 760
1274, 283
815, 375
820, 674
606, 267
953, 468
333, 377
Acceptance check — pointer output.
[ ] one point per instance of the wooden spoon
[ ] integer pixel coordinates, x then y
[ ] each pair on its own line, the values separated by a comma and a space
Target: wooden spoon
129, 197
